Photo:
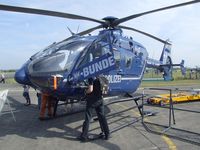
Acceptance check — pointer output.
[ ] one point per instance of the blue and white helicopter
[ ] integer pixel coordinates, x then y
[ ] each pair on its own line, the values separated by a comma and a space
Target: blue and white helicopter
62, 69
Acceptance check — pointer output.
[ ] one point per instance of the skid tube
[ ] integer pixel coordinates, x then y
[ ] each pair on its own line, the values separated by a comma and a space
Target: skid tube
110, 101
140, 108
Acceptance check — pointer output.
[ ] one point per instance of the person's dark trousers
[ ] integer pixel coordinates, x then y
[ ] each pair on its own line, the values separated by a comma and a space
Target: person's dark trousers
28, 99
102, 119
26, 95
39, 96
88, 117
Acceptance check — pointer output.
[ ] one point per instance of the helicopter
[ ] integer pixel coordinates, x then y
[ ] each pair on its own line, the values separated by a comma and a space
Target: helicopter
62, 68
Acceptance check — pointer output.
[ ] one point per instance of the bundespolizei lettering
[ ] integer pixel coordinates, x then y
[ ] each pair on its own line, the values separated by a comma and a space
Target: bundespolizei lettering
98, 66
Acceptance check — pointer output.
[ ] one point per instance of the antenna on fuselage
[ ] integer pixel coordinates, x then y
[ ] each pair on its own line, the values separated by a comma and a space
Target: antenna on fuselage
72, 33
77, 29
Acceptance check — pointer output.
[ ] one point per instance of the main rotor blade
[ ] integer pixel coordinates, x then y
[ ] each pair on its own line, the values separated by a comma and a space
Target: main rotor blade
118, 21
47, 13
89, 30
147, 34
84, 32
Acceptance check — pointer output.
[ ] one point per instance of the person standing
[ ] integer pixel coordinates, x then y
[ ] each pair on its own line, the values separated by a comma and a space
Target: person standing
26, 95
2, 80
94, 100
39, 97
46, 100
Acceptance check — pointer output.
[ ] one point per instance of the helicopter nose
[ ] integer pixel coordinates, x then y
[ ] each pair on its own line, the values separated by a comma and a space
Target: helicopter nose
21, 76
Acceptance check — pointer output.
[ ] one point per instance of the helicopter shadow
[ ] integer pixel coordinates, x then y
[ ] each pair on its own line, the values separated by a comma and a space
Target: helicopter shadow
28, 125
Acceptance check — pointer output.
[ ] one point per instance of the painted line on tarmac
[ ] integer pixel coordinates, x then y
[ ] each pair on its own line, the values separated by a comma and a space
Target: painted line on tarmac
167, 140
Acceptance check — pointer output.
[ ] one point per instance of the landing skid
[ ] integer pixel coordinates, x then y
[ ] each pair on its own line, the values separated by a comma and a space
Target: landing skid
71, 102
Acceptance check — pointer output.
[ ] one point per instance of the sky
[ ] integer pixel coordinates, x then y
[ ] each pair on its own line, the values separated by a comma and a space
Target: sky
22, 35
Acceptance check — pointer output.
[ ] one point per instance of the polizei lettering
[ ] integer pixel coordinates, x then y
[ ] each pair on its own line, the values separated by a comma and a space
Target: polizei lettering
114, 78
98, 66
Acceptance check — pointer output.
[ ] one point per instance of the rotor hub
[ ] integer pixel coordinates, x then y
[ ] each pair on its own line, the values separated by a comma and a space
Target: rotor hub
109, 21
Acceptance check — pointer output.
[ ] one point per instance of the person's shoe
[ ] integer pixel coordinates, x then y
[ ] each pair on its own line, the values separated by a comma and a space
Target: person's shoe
26, 104
107, 136
50, 115
101, 135
104, 136
83, 139
41, 118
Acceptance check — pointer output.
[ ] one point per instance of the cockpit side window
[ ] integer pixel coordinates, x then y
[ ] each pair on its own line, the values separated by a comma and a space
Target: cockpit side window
128, 61
117, 57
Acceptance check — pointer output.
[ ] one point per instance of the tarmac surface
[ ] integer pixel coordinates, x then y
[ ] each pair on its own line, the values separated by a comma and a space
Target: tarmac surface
29, 133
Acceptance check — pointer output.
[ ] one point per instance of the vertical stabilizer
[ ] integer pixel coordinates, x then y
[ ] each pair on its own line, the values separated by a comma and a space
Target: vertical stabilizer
166, 61
166, 53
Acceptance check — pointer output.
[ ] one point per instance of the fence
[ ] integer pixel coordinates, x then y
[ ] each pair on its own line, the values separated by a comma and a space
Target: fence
3, 100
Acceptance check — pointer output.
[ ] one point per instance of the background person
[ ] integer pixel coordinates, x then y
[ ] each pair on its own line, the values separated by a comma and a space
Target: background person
2, 78
26, 95
39, 97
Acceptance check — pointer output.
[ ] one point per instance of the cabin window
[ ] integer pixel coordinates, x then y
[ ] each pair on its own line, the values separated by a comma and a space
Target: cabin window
128, 61
117, 57
95, 51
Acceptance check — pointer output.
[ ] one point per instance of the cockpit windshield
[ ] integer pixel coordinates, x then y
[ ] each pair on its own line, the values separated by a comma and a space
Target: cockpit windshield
57, 57
50, 49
